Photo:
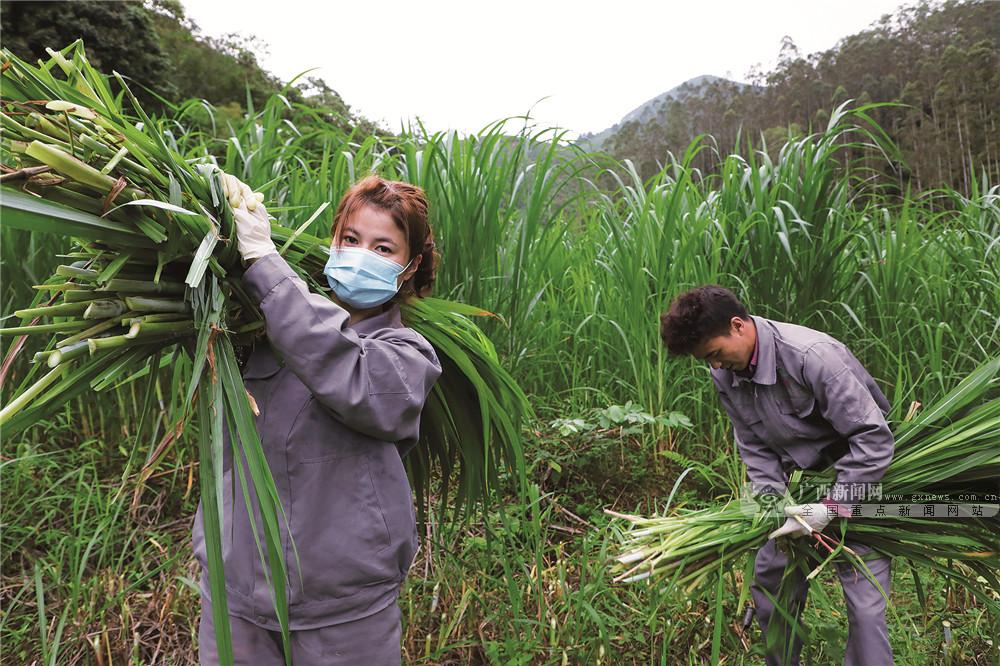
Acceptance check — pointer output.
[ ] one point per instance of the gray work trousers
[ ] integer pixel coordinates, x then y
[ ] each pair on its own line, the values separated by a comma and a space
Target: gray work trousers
867, 635
372, 640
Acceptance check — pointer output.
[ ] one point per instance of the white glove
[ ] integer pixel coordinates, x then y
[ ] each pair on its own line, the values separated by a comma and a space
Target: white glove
815, 516
238, 192
253, 232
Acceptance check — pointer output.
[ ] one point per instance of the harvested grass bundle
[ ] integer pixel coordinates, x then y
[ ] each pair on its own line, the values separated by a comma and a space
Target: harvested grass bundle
949, 448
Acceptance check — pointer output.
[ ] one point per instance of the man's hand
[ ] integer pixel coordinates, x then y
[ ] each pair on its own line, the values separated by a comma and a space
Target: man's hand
253, 232
239, 193
815, 517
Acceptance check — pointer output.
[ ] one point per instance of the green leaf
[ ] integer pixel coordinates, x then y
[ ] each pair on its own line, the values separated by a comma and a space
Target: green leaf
265, 492
153, 203
209, 439
23, 211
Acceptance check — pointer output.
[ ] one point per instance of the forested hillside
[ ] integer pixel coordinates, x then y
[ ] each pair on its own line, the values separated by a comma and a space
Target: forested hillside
938, 62
157, 46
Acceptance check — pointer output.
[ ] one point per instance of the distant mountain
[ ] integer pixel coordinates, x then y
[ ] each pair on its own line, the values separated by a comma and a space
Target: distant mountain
654, 108
928, 75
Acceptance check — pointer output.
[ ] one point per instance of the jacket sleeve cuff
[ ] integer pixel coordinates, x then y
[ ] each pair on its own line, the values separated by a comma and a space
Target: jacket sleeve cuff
265, 274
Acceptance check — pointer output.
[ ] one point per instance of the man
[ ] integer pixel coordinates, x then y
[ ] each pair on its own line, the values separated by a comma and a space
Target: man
797, 398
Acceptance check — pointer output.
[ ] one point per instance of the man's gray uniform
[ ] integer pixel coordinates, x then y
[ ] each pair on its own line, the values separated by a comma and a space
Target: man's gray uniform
810, 403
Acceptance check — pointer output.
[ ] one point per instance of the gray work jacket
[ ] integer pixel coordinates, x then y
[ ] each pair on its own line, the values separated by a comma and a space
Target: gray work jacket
335, 400
809, 403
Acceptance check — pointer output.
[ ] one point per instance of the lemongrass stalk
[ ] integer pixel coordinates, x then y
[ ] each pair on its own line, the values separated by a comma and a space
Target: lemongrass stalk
113, 162
635, 578
67, 353
28, 133
142, 304
130, 319
115, 341
143, 287
79, 273
104, 309
149, 167
70, 166
85, 126
15, 405
75, 169
100, 140
60, 310
90, 332
124, 215
140, 327
111, 342
81, 296
62, 286
98, 147
47, 127
67, 108
41, 357
143, 256
44, 328
829, 558
68, 197
633, 556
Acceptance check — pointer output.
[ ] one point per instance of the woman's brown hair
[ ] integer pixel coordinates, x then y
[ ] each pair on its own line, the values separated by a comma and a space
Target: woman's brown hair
407, 205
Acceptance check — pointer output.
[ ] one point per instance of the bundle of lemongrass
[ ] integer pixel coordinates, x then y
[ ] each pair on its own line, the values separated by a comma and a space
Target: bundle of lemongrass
150, 225
951, 448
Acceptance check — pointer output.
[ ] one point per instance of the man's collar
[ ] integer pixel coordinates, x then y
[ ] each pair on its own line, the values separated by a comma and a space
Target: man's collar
766, 364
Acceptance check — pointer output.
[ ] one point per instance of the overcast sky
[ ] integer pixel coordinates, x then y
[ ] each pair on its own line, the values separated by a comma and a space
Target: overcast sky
464, 64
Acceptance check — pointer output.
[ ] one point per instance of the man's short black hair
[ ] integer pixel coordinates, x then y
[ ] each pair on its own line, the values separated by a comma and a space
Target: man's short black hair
697, 315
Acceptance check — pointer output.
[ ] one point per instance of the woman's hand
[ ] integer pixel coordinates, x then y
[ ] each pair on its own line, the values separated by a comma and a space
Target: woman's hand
253, 232
238, 192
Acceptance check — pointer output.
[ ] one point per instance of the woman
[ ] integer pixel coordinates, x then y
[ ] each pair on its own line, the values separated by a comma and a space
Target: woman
339, 383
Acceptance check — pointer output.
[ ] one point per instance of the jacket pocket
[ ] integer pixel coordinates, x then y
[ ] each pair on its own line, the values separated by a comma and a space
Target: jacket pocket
338, 529
745, 406
317, 436
799, 424
797, 399
396, 501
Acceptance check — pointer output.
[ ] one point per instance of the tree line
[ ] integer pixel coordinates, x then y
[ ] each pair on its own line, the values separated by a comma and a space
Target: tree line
936, 64
165, 56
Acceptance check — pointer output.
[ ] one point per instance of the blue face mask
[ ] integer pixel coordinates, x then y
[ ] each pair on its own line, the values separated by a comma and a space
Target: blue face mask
361, 278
